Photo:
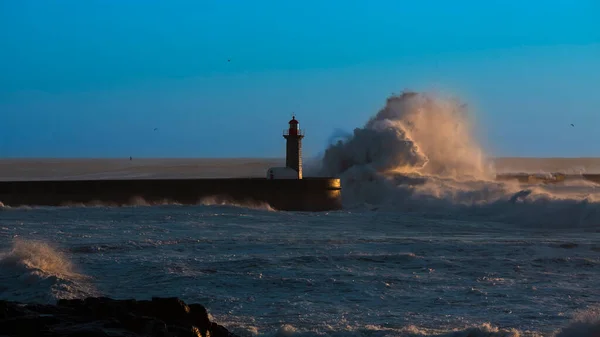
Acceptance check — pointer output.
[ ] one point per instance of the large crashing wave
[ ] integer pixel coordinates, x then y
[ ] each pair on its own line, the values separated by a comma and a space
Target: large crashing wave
413, 133
33, 271
419, 153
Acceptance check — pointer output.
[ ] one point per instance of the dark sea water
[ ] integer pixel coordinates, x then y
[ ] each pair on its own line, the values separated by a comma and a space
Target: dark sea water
456, 258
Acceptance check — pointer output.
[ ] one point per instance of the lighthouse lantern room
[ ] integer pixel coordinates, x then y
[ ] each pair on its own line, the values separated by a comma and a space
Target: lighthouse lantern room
293, 154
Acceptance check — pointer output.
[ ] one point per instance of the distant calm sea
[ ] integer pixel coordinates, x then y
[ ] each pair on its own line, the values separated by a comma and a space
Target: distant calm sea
444, 258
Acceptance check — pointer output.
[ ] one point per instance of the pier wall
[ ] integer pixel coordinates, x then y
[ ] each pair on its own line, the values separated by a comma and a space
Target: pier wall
308, 194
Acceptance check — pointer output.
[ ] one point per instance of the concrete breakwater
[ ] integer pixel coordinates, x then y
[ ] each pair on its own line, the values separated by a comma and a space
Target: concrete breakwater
308, 194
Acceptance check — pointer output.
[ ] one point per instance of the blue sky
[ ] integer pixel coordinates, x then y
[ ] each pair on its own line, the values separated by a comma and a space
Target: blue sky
94, 78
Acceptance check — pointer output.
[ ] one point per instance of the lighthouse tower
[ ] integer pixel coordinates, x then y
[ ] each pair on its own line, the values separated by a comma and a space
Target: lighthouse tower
293, 153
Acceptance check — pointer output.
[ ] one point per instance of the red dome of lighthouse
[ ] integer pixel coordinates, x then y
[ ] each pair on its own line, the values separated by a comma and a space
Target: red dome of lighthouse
293, 121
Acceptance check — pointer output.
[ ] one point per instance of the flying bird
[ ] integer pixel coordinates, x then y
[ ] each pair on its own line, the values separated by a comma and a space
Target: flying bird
572, 125
155, 129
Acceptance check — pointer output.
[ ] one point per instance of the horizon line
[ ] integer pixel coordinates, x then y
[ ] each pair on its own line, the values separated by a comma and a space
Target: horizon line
240, 158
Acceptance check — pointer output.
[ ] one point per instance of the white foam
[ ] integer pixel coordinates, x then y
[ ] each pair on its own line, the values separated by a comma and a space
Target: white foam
225, 201
33, 270
419, 153
587, 327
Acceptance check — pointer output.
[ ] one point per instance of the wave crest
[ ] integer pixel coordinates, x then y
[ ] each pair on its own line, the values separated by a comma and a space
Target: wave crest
586, 325
226, 201
141, 202
34, 271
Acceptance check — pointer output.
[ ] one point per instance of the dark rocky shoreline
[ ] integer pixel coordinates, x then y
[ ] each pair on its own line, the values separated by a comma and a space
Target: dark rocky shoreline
102, 316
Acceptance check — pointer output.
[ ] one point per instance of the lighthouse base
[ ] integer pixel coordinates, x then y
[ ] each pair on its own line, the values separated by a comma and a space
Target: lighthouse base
308, 194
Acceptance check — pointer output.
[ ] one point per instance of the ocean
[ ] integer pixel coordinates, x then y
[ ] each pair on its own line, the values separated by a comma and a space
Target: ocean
427, 243
359, 272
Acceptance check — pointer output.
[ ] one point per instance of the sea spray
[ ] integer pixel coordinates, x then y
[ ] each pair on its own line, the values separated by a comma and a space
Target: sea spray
585, 323
413, 133
227, 201
419, 153
32, 270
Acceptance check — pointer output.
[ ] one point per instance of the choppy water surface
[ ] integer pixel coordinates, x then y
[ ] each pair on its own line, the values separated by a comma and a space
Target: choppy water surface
258, 270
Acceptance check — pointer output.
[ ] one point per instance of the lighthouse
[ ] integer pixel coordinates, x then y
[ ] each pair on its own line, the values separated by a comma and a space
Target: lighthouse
293, 154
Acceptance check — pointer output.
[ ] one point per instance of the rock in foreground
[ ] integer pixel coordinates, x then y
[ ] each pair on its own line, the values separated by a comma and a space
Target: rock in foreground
101, 316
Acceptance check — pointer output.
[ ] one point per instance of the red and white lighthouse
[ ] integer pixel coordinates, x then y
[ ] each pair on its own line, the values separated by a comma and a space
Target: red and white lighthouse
293, 154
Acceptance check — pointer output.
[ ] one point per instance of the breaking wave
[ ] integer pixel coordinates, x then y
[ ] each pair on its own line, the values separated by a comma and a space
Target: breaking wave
33, 271
419, 154
226, 201
141, 202
585, 324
